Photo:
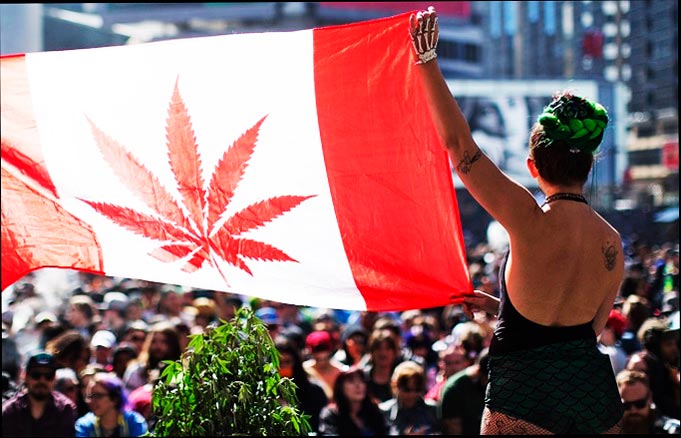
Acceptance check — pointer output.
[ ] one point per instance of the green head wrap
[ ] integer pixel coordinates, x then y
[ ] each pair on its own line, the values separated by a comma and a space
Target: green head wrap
576, 120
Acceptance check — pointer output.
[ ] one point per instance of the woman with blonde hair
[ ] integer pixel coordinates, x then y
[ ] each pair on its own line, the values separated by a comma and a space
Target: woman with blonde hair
408, 413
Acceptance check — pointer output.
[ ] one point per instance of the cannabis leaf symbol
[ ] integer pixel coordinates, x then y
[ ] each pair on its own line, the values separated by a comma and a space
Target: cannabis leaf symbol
194, 230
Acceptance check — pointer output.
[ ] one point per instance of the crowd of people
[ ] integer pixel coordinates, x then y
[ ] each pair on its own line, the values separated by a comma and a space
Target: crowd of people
87, 367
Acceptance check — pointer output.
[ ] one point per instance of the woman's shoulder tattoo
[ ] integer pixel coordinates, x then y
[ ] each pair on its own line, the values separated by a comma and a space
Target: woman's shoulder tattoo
609, 256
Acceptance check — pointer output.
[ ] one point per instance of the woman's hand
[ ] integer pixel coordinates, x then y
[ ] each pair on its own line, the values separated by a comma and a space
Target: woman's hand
480, 302
425, 34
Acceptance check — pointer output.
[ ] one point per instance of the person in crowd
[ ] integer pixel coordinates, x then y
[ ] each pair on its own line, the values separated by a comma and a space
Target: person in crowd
184, 330
408, 413
637, 362
609, 340
112, 312
66, 381
94, 286
70, 350
102, 345
140, 399
206, 313
640, 415
82, 315
84, 377
296, 335
471, 336
394, 326
149, 295
39, 410
292, 316
9, 386
48, 330
637, 310
451, 360
352, 411
135, 333
662, 363
461, 403
326, 320
382, 358
11, 357
321, 366
309, 391
226, 305
162, 343
43, 320
563, 269
134, 309
122, 355
171, 304
353, 345
268, 315
110, 415
419, 342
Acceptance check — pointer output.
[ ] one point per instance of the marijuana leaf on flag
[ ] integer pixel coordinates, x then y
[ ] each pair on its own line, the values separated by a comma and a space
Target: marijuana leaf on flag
193, 231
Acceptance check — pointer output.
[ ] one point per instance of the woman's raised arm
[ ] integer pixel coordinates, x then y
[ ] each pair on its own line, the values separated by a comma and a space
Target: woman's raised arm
507, 201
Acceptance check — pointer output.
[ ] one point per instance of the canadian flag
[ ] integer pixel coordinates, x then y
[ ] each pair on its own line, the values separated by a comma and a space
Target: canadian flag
300, 167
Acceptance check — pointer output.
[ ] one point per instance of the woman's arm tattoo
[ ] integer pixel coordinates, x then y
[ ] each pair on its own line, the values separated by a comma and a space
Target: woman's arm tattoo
467, 162
609, 255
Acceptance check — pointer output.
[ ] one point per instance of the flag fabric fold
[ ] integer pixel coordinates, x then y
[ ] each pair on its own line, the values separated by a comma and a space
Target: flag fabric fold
300, 167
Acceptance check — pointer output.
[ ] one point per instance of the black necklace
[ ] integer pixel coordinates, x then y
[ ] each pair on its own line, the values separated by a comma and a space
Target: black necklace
567, 196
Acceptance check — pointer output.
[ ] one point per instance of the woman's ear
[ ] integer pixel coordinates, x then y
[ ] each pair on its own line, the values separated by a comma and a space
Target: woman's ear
531, 166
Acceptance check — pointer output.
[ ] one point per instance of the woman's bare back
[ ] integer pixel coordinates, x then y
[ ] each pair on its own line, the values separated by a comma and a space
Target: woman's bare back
568, 271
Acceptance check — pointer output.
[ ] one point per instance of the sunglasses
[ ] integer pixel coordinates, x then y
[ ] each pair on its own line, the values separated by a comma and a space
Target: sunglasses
36, 375
638, 404
96, 396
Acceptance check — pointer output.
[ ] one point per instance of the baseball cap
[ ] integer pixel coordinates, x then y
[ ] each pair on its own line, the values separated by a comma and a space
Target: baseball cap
268, 315
103, 338
353, 329
114, 301
319, 340
45, 316
41, 359
125, 347
617, 322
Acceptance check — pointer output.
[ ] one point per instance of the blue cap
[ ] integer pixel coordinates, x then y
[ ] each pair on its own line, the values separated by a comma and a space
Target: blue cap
41, 359
268, 315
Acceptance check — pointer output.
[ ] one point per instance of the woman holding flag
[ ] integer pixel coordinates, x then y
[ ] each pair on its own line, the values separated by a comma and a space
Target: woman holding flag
561, 274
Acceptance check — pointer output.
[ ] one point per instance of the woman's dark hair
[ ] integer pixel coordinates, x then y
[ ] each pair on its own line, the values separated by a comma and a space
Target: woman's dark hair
379, 337
300, 376
370, 413
565, 138
171, 336
68, 347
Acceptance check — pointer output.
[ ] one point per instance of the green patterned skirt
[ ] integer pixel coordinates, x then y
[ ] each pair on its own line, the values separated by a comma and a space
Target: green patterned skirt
566, 387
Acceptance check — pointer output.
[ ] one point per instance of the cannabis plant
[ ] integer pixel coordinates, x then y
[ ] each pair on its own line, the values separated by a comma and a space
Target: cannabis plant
227, 383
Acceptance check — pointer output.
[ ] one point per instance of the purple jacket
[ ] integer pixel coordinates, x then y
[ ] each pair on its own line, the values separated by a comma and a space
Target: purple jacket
58, 420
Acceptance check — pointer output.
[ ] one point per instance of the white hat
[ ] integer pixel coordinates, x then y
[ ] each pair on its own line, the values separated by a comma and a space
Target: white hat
45, 316
103, 338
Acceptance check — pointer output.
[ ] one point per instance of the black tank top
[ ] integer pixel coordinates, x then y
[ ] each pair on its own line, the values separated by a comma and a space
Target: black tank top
514, 332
